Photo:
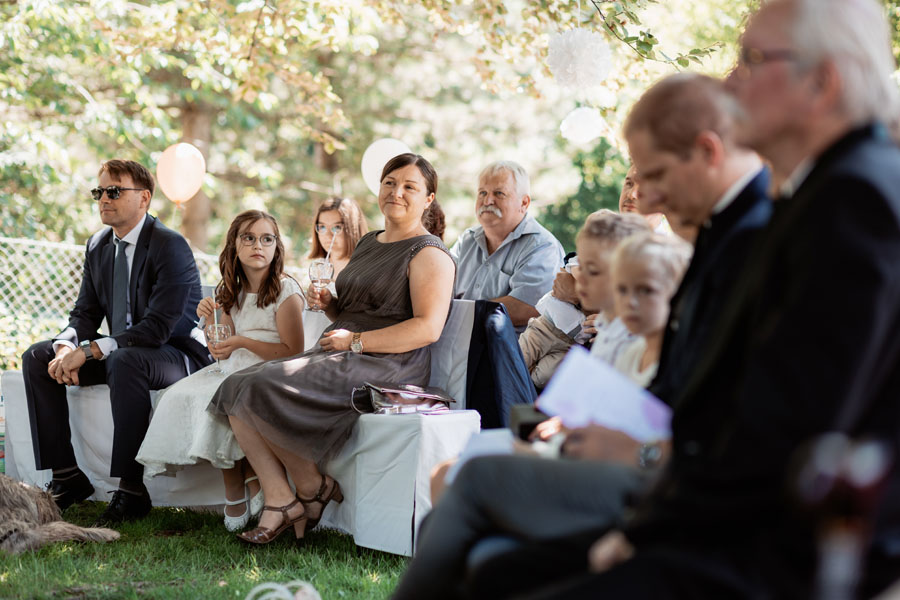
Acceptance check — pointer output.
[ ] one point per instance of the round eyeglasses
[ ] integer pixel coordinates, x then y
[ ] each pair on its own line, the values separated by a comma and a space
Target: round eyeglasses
335, 229
266, 239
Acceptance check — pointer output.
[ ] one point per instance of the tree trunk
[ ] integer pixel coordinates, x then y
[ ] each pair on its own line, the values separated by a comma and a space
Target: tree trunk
196, 121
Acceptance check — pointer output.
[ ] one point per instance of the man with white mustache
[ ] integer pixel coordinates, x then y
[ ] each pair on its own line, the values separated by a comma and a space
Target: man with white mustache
509, 257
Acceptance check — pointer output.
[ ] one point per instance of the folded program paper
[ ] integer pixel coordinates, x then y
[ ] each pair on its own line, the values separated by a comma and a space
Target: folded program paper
586, 390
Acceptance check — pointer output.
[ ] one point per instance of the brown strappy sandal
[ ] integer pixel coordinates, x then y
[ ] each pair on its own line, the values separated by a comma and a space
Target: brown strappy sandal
335, 495
264, 535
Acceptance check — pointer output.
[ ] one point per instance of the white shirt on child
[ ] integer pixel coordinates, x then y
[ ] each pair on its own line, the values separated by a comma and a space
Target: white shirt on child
612, 338
628, 362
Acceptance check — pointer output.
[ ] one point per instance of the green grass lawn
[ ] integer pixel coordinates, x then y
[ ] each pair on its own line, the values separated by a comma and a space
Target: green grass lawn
178, 553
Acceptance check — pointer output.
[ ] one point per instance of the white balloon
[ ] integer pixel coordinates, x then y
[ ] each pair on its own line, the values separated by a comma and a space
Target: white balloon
376, 156
582, 125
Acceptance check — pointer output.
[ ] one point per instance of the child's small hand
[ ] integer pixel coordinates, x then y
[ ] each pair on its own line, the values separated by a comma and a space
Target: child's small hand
588, 326
564, 287
223, 349
206, 308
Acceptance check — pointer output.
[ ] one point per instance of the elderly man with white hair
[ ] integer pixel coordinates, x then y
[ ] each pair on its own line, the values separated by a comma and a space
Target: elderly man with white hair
808, 344
509, 257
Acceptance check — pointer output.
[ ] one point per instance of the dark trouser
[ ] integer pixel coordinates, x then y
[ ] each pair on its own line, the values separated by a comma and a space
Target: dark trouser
741, 570
659, 575
130, 373
531, 499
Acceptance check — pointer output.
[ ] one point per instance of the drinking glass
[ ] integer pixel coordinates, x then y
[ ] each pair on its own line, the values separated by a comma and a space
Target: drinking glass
320, 273
216, 333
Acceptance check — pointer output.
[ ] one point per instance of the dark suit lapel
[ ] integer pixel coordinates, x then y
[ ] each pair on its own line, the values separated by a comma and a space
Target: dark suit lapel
137, 263
683, 307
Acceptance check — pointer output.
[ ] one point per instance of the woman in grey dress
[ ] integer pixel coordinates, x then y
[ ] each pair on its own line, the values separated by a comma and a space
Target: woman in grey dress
394, 296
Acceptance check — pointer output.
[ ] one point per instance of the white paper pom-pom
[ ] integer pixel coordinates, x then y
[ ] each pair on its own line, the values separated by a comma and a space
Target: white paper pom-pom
579, 58
295, 590
582, 125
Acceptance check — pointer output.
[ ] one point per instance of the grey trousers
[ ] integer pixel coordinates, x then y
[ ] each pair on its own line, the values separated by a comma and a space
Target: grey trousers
532, 499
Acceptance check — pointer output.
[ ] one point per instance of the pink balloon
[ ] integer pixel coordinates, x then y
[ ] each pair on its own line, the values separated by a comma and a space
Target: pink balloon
180, 172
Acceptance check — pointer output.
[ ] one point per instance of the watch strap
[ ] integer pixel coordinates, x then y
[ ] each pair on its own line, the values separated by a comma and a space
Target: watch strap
86, 348
356, 342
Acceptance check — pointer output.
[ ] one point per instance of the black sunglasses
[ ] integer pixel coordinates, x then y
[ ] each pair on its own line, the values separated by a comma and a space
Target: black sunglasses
112, 192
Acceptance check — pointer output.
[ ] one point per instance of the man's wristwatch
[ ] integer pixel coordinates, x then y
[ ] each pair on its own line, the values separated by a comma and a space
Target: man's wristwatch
86, 348
649, 455
356, 343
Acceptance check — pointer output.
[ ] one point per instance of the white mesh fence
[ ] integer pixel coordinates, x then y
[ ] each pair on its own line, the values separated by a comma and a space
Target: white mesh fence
39, 283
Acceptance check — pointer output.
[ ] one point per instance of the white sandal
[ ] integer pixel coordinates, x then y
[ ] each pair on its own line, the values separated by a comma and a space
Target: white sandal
239, 522
256, 502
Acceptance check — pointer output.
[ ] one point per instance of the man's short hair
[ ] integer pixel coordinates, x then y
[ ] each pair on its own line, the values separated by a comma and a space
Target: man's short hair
855, 36
611, 227
676, 109
138, 173
520, 176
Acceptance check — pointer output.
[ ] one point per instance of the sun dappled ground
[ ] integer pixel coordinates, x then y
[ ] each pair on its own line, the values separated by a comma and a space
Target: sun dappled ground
177, 553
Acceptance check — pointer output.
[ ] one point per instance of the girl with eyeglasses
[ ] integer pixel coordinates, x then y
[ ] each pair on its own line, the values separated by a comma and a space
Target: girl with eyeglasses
339, 224
263, 307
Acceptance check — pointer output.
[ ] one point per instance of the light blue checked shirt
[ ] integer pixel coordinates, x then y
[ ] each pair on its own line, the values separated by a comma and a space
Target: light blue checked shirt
523, 267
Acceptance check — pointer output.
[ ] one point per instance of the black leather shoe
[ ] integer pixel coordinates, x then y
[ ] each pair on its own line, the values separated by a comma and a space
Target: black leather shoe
125, 506
72, 489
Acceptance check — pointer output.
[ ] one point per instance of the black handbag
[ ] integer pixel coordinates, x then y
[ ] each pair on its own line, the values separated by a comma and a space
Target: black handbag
394, 399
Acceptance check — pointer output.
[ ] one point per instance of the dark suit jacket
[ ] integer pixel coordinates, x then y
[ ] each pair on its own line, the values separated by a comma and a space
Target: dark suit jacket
808, 343
164, 291
720, 252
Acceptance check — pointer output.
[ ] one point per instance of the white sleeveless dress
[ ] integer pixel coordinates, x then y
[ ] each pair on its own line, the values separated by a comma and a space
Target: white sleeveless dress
182, 432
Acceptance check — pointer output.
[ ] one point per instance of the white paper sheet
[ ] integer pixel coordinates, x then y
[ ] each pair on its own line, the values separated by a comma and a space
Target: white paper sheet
585, 390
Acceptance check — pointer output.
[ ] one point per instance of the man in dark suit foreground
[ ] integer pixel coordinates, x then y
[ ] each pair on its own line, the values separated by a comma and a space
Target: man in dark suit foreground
808, 340
142, 278
681, 136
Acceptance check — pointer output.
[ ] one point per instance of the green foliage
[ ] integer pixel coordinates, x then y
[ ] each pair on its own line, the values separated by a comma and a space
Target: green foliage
603, 171
615, 18
176, 553
283, 85
893, 11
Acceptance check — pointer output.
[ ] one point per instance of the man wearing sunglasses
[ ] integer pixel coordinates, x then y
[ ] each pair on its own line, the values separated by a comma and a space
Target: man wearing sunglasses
141, 277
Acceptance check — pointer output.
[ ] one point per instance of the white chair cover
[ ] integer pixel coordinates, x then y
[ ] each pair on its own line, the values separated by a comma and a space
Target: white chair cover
383, 469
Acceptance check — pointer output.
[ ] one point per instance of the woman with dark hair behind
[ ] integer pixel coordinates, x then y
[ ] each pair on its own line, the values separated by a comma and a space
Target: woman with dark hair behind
290, 416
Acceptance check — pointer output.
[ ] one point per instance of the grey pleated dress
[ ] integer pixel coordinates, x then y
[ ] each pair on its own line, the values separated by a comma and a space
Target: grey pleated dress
302, 403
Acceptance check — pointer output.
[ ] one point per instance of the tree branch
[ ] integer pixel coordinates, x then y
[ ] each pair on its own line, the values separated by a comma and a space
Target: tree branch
255, 29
